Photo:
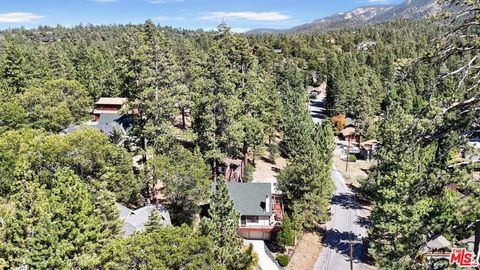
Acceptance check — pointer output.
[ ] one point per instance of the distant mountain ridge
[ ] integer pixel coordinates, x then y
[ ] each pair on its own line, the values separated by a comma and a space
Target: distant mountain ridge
410, 9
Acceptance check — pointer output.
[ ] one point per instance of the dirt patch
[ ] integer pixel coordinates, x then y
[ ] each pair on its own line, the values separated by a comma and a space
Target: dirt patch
306, 252
266, 171
357, 171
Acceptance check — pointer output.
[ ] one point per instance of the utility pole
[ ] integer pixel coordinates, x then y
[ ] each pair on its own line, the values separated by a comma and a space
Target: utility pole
351, 243
348, 154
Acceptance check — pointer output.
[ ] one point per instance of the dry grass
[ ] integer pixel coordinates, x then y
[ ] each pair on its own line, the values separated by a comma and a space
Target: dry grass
306, 252
356, 170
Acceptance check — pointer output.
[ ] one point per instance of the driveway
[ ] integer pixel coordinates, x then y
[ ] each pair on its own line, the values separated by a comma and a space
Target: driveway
265, 262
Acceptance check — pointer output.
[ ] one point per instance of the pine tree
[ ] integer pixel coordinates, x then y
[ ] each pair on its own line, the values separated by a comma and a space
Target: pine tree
187, 182
106, 210
307, 182
222, 227
286, 236
15, 69
154, 221
217, 107
170, 247
53, 226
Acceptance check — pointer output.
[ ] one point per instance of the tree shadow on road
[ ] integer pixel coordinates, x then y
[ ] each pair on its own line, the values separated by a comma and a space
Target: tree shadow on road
347, 200
333, 240
364, 222
317, 104
318, 115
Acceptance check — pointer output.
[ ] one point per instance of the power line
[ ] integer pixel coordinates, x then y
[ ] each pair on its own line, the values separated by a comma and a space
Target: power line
351, 243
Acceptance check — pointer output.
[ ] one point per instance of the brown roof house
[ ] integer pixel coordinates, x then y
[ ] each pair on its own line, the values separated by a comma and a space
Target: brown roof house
107, 105
368, 149
348, 133
107, 118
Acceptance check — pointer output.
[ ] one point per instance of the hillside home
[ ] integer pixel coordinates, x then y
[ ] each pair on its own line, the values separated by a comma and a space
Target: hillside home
261, 212
107, 117
348, 134
363, 46
108, 105
435, 248
135, 220
368, 149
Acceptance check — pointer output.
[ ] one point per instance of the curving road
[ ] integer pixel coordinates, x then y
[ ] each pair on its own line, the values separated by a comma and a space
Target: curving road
348, 221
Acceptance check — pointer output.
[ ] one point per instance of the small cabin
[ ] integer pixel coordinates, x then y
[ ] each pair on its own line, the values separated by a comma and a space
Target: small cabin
108, 105
348, 134
368, 149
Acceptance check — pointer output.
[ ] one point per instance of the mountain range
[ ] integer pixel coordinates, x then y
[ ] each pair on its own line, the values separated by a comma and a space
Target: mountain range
410, 9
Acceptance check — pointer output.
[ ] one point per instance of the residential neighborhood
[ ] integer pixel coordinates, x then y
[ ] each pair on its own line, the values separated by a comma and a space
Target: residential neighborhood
248, 135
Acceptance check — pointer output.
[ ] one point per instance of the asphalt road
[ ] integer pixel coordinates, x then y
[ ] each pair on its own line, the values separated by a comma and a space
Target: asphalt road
348, 221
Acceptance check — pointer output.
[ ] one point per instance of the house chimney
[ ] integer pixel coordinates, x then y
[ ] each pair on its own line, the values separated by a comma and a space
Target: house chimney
267, 204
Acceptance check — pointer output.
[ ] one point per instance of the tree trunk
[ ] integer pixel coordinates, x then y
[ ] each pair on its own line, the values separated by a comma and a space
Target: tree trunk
183, 118
215, 170
245, 157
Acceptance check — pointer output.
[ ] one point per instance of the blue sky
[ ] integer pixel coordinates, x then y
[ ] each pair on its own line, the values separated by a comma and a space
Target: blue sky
241, 15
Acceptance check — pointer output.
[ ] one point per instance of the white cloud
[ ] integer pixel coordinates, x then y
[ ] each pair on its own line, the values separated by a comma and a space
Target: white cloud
246, 15
19, 17
240, 30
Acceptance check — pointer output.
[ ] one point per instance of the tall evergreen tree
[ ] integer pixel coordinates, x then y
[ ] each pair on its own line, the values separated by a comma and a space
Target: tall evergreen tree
53, 226
217, 107
222, 227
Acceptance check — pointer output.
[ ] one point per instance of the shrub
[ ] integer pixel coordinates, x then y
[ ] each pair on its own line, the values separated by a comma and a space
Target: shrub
282, 260
285, 236
352, 158
339, 122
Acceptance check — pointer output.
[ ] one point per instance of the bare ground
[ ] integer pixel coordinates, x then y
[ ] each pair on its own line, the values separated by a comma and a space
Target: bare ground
266, 172
357, 171
306, 252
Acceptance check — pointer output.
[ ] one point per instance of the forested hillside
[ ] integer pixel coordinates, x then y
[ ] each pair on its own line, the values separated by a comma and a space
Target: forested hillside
196, 98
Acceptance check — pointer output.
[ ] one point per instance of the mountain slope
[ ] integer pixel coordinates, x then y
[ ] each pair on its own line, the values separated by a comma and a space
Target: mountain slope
411, 9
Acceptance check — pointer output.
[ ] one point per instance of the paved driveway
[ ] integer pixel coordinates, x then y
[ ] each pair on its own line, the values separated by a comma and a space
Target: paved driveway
265, 262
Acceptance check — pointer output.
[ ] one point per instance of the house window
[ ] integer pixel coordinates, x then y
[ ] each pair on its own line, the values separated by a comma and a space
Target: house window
248, 219
252, 219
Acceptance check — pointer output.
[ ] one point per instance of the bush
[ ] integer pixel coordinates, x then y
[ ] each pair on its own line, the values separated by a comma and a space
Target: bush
285, 236
282, 260
352, 158
339, 122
